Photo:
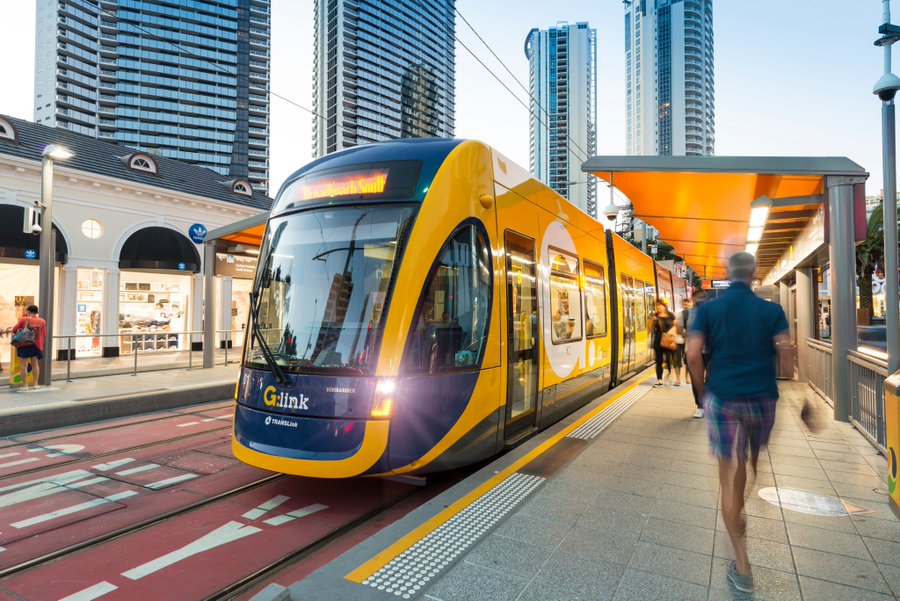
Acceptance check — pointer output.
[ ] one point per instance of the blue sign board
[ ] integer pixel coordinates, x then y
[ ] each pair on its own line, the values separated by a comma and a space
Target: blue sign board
30, 253
198, 233
182, 266
81, 308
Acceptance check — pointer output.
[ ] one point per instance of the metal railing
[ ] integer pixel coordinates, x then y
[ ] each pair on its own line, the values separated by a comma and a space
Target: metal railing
867, 376
820, 373
164, 343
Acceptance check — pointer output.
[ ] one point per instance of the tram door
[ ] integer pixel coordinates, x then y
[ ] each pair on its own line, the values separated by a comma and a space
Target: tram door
522, 334
626, 293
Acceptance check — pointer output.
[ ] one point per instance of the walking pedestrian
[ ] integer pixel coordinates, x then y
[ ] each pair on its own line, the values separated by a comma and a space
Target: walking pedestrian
663, 321
687, 319
31, 354
742, 335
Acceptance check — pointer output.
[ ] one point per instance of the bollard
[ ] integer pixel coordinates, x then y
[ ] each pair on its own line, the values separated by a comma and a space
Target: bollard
190, 353
892, 436
226, 347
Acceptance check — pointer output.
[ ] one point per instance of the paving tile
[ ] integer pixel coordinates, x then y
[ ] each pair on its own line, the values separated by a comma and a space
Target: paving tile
870, 479
707, 483
467, 581
690, 496
821, 486
590, 577
637, 585
829, 541
767, 584
789, 469
670, 562
762, 553
692, 515
881, 511
845, 457
698, 468
766, 529
564, 511
873, 494
877, 528
835, 523
892, 575
821, 590
755, 506
839, 569
884, 551
531, 529
508, 555
679, 536
538, 590
603, 545
629, 484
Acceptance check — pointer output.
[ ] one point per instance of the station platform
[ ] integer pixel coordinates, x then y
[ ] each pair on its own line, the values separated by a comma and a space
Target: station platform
621, 501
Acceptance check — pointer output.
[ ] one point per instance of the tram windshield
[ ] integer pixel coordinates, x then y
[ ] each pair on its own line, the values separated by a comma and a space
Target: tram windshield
324, 284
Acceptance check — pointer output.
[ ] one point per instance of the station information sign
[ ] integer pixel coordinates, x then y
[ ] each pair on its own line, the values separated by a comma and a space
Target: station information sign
237, 266
714, 284
347, 183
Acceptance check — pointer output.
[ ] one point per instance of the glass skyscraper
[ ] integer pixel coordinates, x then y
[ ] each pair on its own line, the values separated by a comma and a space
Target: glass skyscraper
669, 85
185, 79
563, 81
383, 69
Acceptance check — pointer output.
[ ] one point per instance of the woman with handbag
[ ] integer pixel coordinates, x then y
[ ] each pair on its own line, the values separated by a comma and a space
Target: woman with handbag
663, 336
28, 338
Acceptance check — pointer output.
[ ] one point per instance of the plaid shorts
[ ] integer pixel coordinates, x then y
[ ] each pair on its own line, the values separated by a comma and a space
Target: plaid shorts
735, 424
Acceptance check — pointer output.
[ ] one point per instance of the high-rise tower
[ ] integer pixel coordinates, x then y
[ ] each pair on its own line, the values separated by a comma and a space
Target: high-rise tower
187, 79
562, 78
669, 84
382, 70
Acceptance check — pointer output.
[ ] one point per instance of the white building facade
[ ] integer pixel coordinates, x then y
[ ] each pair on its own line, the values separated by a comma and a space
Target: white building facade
669, 77
563, 122
129, 276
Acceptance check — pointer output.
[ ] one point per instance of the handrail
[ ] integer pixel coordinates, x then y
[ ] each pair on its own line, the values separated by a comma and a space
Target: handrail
134, 336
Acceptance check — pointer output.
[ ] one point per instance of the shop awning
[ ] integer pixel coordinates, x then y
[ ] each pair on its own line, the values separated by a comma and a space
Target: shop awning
16, 244
248, 232
701, 206
159, 248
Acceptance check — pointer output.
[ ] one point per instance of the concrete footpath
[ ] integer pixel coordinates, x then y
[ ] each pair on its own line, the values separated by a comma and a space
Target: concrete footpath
109, 396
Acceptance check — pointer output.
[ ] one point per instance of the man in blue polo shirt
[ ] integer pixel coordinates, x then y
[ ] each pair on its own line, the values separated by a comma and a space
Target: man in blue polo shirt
741, 335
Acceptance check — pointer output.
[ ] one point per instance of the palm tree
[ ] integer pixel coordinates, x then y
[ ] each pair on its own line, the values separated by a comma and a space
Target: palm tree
869, 253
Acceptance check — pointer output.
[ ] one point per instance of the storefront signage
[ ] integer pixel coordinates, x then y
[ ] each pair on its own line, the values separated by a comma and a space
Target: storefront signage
720, 283
30, 253
354, 183
182, 267
197, 233
81, 308
236, 266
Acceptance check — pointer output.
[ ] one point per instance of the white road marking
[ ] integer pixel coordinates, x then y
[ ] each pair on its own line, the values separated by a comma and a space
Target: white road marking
94, 592
261, 509
5, 455
44, 487
61, 449
221, 417
19, 462
170, 481
231, 531
51, 515
103, 467
58, 478
293, 515
186, 424
2, 549
139, 469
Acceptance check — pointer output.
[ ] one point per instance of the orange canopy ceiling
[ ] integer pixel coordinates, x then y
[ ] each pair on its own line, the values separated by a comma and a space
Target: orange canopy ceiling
701, 205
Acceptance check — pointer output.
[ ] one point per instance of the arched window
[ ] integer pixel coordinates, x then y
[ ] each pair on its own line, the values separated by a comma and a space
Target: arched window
242, 187
450, 324
7, 130
142, 162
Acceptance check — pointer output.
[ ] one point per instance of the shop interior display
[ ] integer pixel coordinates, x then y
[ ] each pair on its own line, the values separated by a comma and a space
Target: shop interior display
156, 312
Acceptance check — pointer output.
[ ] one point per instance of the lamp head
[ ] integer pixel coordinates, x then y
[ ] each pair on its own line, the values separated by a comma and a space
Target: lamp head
886, 87
57, 152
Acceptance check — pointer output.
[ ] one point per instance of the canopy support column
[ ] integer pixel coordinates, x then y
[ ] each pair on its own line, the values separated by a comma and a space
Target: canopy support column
209, 304
805, 318
842, 253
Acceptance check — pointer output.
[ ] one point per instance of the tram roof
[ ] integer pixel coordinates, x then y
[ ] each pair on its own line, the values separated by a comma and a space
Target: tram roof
701, 205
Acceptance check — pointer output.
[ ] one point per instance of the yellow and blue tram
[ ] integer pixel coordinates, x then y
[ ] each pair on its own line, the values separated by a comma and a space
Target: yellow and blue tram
424, 304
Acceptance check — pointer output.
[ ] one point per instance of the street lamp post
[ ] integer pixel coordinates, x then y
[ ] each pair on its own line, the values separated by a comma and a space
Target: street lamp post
48, 253
886, 88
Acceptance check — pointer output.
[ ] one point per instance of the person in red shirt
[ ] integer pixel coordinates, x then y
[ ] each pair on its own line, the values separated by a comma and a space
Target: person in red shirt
31, 354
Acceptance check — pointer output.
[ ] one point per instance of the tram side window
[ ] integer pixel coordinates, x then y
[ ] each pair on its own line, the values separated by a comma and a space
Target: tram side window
640, 306
451, 321
650, 301
565, 298
594, 300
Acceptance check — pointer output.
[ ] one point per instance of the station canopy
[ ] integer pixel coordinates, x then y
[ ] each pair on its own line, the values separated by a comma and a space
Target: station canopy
701, 206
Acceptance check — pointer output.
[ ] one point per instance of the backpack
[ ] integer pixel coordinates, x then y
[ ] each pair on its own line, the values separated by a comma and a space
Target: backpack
24, 337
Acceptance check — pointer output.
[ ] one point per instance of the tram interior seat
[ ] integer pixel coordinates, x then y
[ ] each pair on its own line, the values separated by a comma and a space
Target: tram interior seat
447, 341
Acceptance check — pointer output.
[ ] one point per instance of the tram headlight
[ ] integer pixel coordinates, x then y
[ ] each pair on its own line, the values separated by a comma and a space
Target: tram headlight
383, 405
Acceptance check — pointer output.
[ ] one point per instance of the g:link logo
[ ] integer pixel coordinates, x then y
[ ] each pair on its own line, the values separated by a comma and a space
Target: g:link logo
283, 400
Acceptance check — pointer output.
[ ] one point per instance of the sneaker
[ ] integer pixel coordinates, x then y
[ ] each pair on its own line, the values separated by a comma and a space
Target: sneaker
740, 582
658, 384
698, 413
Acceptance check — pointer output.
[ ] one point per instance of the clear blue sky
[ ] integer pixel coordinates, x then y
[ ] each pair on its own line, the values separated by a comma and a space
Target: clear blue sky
792, 77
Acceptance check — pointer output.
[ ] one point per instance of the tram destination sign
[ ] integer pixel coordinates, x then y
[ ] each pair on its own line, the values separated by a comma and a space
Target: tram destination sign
237, 266
362, 182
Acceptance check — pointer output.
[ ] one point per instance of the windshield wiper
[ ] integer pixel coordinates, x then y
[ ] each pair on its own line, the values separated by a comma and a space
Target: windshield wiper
263, 346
